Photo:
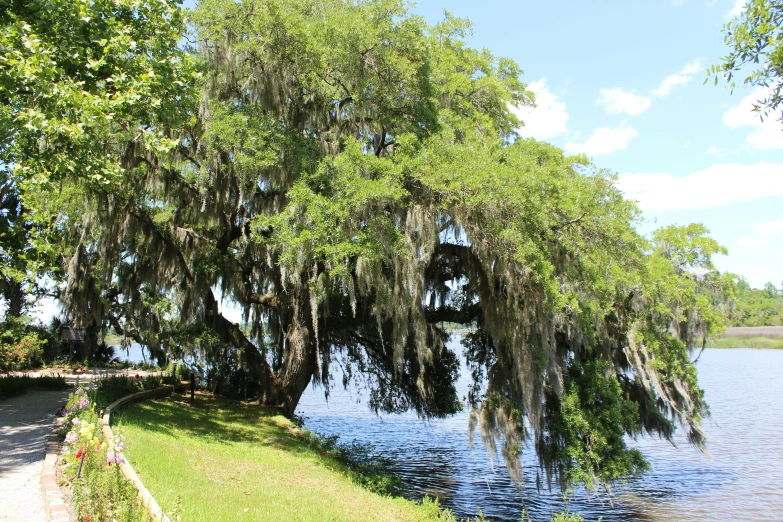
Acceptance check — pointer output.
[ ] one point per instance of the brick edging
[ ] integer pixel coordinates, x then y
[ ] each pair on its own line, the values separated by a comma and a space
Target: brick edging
145, 496
54, 500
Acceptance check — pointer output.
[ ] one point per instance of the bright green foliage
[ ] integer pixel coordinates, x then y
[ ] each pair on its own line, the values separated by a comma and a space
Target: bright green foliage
689, 296
755, 39
80, 82
80, 78
587, 425
350, 177
757, 307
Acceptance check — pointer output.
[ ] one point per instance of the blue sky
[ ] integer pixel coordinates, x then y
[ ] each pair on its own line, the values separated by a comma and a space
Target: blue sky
623, 82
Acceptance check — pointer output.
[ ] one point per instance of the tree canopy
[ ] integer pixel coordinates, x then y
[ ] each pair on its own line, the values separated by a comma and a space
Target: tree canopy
350, 177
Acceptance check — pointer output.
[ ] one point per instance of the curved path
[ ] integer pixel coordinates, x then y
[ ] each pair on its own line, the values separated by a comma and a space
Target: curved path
25, 424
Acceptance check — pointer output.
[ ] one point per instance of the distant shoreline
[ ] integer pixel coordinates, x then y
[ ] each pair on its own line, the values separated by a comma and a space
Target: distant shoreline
760, 337
754, 331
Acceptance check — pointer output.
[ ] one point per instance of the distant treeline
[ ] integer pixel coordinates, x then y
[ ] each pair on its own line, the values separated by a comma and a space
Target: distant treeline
757, 307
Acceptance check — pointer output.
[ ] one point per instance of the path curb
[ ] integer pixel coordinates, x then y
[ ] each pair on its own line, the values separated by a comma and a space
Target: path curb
53, 497
127, 470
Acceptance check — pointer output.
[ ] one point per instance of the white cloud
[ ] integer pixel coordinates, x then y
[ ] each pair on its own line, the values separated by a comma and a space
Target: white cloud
761, 234
681, 77
618, 101
692, 68
547, 119
712, 187
603, 141
712, 150
736, 9
768, 228
766, 134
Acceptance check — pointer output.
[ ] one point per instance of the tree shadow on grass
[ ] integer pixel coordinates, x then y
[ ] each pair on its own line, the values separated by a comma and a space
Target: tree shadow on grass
215, 420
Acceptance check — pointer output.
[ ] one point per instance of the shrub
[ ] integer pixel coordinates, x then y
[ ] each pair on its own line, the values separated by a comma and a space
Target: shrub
108, 390
11, 385
180, 371
21, 346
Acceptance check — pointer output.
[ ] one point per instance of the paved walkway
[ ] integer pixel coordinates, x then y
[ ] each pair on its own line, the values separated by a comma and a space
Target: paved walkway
25, 423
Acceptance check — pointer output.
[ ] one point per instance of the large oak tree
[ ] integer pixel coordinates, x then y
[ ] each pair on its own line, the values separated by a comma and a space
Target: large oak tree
350, 178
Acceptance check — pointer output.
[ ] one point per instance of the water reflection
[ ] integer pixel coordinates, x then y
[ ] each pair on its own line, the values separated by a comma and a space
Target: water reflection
740, 482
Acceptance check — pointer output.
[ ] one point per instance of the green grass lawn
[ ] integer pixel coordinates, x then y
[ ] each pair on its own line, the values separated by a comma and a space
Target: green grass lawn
768, 343
226, 461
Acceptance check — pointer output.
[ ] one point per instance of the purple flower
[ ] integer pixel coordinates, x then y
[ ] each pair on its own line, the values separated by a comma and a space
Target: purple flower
79, 392
83, 403
115, 456
71, 437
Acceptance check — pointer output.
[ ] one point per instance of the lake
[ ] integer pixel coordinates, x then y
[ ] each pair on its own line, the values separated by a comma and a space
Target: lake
741, 481
133, 353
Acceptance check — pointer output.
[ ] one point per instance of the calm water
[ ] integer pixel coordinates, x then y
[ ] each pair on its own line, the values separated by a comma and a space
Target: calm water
134, 353
741, 481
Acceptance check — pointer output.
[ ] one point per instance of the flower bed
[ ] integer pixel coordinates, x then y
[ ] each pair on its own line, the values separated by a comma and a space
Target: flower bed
91, 462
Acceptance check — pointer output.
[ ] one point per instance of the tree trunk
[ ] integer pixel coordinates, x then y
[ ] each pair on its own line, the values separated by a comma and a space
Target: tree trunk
300, 361
14, 294
255, 363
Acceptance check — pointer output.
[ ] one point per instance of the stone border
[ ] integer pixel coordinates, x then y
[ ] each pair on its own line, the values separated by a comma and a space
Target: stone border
54, 501
127, 470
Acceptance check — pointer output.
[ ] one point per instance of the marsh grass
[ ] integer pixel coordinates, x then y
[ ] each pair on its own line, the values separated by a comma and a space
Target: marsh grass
765, 343
227, 461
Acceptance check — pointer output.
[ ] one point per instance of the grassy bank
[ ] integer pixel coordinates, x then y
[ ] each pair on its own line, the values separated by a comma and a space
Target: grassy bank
225, 461
768, 343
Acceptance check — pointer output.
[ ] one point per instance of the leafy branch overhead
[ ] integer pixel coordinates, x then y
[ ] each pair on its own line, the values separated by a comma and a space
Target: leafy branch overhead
350, 178
755, 41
